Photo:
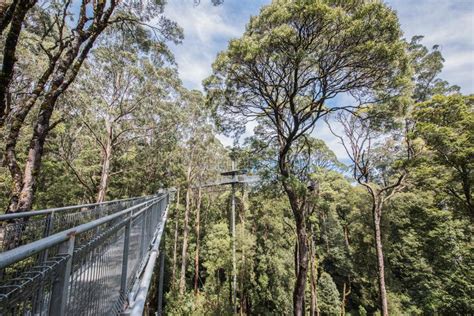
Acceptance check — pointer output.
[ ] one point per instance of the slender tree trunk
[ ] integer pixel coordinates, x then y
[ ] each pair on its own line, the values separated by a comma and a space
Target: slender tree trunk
377, 214
314, 309
14, 168
314, 292
343, 300
243, 298
345, 294
175, 243
196, 255
182, 279
9, 50
106, 158
346, 237
300, 285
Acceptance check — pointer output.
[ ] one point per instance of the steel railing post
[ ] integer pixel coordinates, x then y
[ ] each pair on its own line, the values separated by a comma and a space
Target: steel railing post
59, 292
126, 249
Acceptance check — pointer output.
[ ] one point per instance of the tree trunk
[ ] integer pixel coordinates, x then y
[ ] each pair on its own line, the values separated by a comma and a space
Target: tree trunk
175, 244
33, 163
9, 50
182, 278
6, 13
13, 167
23, 200
196, 255
300, 285
345, 294
299, 213
106, 158
346, 237
377, 214
243, 294
314, 310
343, 300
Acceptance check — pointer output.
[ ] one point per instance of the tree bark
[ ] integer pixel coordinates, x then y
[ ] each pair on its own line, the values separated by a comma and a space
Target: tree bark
243, 294
196, 255
6, 13
175, 244
9, 50
106, 158
377, 214
35, 154
300, 285
345, 294
299, 213
314, 309
346, 237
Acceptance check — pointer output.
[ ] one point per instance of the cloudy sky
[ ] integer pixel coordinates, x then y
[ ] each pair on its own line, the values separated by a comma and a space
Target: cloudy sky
207, 29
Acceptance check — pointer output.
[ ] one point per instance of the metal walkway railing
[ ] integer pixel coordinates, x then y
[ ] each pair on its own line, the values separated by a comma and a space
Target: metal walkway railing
93, 259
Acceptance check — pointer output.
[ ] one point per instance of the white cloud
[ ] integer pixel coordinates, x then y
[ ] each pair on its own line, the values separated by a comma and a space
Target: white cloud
323, 132
206, 31
193, 69
449, 24
202, 22
225, 141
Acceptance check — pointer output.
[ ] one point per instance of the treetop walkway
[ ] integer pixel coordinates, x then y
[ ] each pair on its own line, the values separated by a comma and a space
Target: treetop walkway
91, 259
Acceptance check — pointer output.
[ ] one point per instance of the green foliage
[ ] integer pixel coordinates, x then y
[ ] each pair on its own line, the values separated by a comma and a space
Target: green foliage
445, 123
326, 44
164, 136
328, 296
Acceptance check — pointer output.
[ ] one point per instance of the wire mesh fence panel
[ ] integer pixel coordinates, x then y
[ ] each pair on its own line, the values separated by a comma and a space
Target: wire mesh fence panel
29, 292
96, 276
134, 251
22, 230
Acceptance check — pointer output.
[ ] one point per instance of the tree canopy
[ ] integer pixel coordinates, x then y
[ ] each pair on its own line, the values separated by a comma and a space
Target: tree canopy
92, 109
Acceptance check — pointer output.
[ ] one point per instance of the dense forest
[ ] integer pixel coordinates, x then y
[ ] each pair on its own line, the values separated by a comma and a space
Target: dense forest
92, 109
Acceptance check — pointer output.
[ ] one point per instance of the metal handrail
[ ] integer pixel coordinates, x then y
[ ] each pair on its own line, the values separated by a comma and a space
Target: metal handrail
10, 216
101, 266
137, 305
22, 252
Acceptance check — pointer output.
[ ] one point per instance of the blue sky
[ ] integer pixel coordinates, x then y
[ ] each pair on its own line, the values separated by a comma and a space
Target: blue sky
207, 29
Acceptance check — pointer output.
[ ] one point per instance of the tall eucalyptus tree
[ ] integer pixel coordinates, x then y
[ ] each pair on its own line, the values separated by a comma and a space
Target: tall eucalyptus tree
293, 59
